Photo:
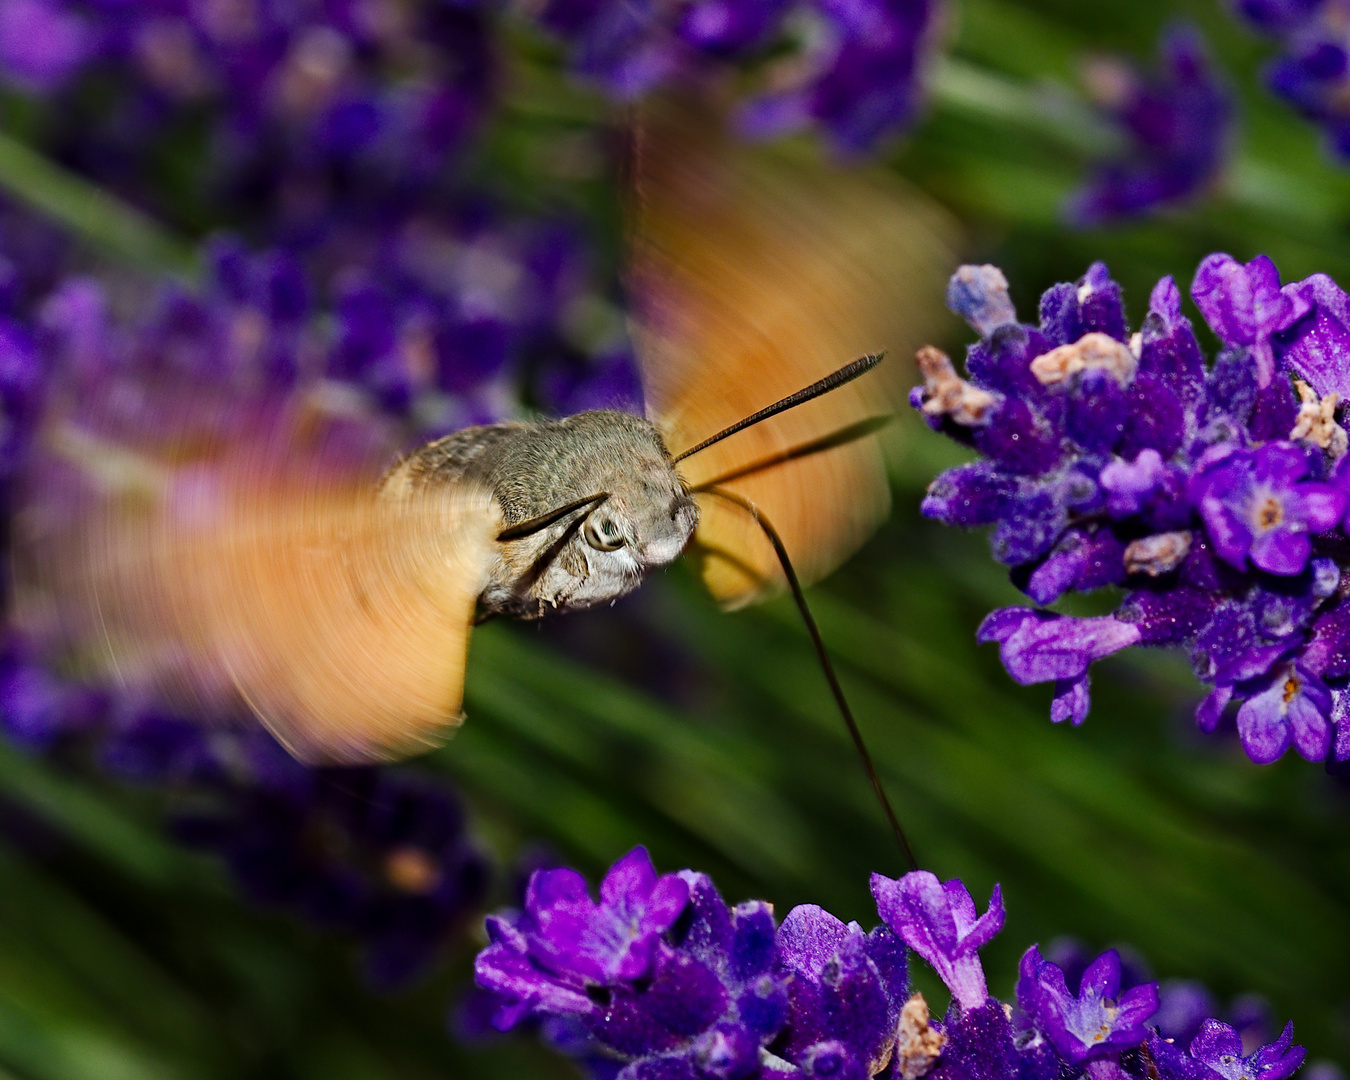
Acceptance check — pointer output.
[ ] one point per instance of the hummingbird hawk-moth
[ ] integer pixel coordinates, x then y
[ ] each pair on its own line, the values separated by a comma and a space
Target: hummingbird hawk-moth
336, 598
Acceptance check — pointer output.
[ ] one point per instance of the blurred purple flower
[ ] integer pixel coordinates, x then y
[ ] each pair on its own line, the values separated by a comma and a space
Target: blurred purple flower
1178, 125
42, 43
1313, 70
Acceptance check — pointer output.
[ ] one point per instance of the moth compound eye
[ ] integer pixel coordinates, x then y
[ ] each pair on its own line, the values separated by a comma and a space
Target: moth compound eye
602, 533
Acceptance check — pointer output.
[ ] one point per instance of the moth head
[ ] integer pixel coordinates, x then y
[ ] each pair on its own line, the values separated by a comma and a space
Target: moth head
630, 514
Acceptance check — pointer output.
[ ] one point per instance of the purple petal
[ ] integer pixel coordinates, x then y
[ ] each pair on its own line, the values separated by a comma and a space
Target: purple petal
1281, 552
1207, 713
1262, 728
1072, 701
808, 937
1317, 347
1102, 976
1001, 624
1320, 506
1223, 293
1214, 1041
632, 876
1310, 726
1062, 648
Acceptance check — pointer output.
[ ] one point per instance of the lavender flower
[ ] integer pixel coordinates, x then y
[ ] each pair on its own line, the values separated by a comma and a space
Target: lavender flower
730, 998
1216, 1050
937, 920
1214, 495
860, 80
1313, 69
1253, 506
1178, 126
1092, 1022
381, 855
696, 986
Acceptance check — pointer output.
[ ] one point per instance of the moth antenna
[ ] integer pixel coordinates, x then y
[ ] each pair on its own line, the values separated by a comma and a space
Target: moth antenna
842, 437
543, 521
814, 632
834, 380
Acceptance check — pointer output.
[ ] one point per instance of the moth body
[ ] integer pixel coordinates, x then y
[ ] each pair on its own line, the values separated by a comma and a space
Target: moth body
585, 558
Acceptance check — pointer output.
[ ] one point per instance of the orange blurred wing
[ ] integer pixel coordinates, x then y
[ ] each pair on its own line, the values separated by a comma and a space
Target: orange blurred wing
338, 614
754, 274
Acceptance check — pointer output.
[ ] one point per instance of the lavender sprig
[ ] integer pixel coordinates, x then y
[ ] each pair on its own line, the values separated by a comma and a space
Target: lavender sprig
724, 994
1311, 73
1213, 494
1178, 126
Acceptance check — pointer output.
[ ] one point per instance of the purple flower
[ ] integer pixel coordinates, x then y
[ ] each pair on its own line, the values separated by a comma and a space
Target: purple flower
1220, 1047
1313, 71
614, 939
730, 999
847, 989
1290, 706
714, 994
938, 921
42, 44
1216, 1052
1095, 1020
1317, 345
1039, 647
1179, 127
1245, 306
866, 85
1256, 505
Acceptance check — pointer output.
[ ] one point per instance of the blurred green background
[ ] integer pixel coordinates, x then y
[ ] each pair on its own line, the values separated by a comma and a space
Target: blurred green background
122, 955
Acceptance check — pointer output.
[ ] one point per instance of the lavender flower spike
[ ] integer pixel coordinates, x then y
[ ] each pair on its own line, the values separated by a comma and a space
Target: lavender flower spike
937, 920
1178, 124
1215, 493
1092, 1023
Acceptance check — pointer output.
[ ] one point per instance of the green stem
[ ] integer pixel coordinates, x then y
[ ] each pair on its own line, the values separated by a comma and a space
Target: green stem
90, 212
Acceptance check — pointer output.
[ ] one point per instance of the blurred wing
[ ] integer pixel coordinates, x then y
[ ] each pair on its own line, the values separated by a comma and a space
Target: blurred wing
339, 615
754, 274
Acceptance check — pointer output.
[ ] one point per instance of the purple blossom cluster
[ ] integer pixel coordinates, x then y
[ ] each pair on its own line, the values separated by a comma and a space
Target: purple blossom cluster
856, 72
382, 856
662, 979
338, 134
309, 103
1312, 72
1178, 129
313, 96
1214, 494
